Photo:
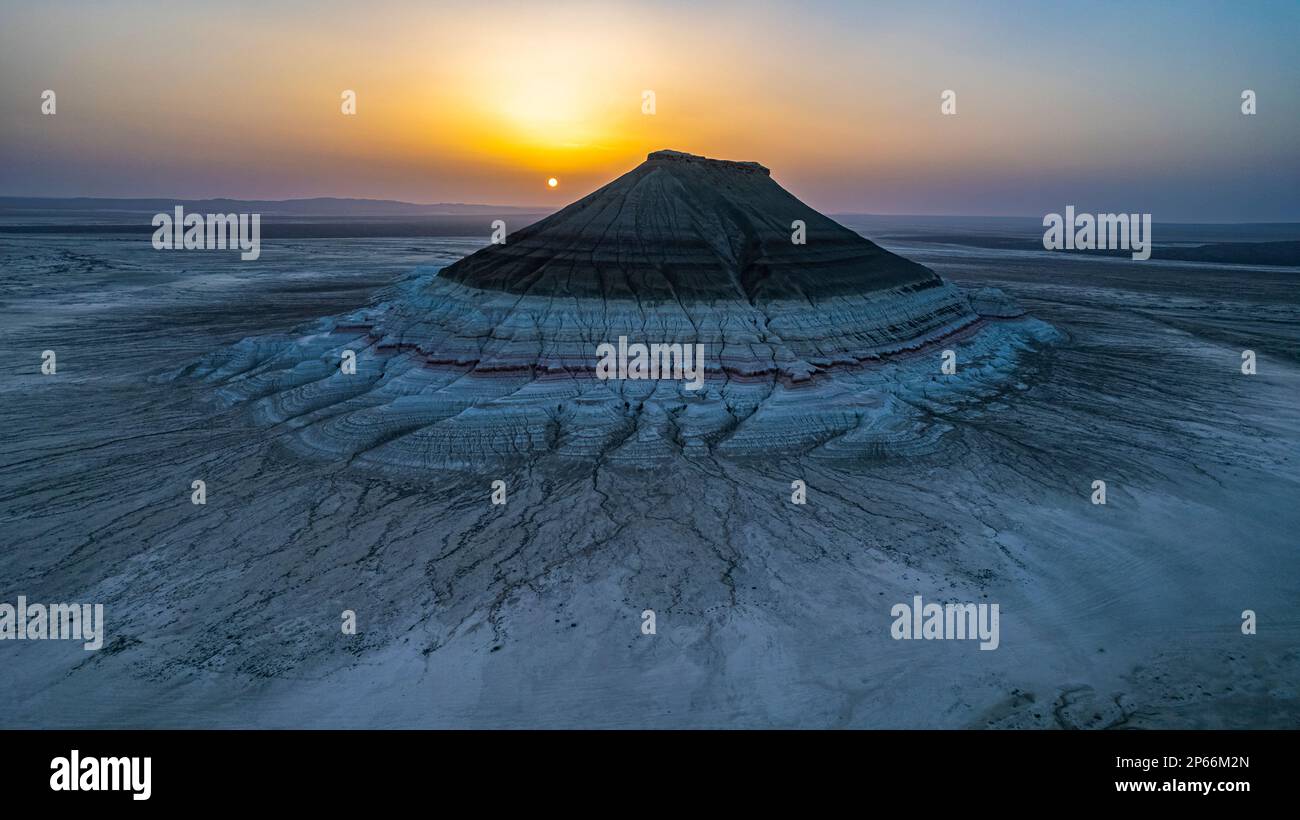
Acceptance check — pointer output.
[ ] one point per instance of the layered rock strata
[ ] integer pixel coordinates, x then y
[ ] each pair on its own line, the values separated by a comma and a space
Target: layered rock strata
830, 346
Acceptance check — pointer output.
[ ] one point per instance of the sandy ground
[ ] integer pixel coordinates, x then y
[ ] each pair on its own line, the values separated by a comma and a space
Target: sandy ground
768, 614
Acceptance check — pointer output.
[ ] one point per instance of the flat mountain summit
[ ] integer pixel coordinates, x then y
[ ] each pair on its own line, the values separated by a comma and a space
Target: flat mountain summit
830, 345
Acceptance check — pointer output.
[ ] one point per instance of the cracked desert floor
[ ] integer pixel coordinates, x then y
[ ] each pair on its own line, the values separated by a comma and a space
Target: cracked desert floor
768, 614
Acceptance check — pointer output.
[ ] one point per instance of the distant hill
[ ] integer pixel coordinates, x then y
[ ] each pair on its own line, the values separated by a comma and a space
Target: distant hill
1283, 253
12, 206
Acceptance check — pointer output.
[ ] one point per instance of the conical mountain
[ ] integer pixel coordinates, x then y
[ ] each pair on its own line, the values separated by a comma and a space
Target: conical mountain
683, 249
684, 227
806, 347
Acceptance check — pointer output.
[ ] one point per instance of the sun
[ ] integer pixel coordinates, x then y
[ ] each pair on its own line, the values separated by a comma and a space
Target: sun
552, 182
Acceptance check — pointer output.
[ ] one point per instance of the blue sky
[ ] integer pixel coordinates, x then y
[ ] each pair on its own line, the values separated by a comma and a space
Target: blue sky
1107, 106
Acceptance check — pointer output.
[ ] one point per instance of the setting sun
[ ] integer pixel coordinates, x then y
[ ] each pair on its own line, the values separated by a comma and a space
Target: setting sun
552, 182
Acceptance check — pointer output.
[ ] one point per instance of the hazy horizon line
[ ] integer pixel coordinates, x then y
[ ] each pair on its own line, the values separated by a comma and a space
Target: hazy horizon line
549, 210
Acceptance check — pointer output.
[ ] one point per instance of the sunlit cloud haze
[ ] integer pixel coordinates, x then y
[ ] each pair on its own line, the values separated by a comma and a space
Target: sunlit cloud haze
1107, 106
